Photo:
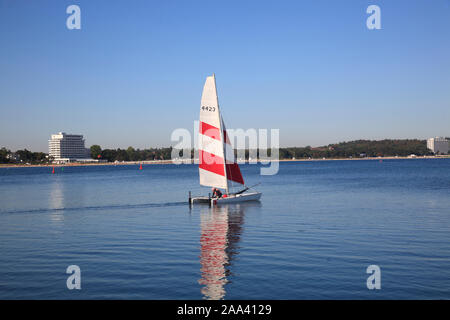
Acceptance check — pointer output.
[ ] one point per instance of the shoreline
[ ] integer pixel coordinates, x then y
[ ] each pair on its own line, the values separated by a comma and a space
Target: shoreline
128, 163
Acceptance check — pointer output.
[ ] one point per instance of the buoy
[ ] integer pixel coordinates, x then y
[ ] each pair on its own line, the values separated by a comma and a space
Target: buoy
140, 168
53, 171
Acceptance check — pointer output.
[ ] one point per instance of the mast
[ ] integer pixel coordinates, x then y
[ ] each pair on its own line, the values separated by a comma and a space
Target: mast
222, 137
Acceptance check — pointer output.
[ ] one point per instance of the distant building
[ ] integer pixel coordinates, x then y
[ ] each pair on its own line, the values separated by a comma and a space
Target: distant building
65, 147
438, 145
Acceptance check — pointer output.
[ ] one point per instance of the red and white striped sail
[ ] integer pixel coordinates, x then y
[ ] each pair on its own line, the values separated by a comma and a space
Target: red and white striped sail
218, 166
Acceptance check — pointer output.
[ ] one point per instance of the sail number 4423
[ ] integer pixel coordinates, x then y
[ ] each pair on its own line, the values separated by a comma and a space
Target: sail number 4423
212, 109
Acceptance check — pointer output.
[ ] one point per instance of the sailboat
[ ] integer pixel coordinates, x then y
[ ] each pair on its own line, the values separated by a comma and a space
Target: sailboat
218, 167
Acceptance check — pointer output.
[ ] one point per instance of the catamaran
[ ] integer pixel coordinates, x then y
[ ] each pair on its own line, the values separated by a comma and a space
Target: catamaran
218, 167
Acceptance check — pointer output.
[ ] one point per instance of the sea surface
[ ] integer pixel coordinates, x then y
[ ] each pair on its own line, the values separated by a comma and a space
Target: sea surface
318, 227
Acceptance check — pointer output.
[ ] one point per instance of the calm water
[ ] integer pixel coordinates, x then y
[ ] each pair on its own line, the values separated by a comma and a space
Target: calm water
318, 226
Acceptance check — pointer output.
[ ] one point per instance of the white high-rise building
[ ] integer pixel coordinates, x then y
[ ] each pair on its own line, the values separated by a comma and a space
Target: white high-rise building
67, 147
438, 145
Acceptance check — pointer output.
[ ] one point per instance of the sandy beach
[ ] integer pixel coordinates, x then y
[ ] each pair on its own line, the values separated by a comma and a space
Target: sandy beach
127, 163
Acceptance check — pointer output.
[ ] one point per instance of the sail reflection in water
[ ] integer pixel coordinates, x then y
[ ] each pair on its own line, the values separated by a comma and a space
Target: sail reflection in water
221, 229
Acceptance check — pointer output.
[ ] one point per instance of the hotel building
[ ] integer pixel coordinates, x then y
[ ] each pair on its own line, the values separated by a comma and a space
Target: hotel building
438, 145
65, 147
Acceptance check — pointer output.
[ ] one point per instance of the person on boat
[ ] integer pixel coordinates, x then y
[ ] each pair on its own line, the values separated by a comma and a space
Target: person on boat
216, 193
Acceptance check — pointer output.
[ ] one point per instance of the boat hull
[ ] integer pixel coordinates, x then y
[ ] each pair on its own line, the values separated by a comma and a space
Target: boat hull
200, 200
251, 196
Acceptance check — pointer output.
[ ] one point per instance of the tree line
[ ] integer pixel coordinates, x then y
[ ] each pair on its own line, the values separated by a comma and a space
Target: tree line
361, 148
130, 154
23, 156
358, 148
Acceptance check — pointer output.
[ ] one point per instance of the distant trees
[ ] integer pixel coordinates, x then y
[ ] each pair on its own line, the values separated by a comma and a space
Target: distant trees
31, 157
357, 148
131, 154
4, 155
96, 151
354, 149
22, 156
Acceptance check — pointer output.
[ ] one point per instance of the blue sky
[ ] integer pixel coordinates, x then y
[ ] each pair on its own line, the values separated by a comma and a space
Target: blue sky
135, 70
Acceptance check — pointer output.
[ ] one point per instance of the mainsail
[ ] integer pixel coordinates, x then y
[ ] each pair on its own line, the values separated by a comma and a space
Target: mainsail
218, 167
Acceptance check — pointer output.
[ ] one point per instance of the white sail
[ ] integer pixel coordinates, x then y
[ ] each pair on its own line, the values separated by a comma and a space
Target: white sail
211, 152
218, 166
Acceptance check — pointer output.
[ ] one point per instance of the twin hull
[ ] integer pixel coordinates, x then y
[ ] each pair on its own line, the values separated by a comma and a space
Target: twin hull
251, 196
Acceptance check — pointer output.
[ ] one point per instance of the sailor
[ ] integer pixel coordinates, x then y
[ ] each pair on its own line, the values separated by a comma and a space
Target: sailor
216, 193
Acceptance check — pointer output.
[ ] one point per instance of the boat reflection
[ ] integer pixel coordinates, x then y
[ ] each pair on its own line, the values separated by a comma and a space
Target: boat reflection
221, 230
56, 200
